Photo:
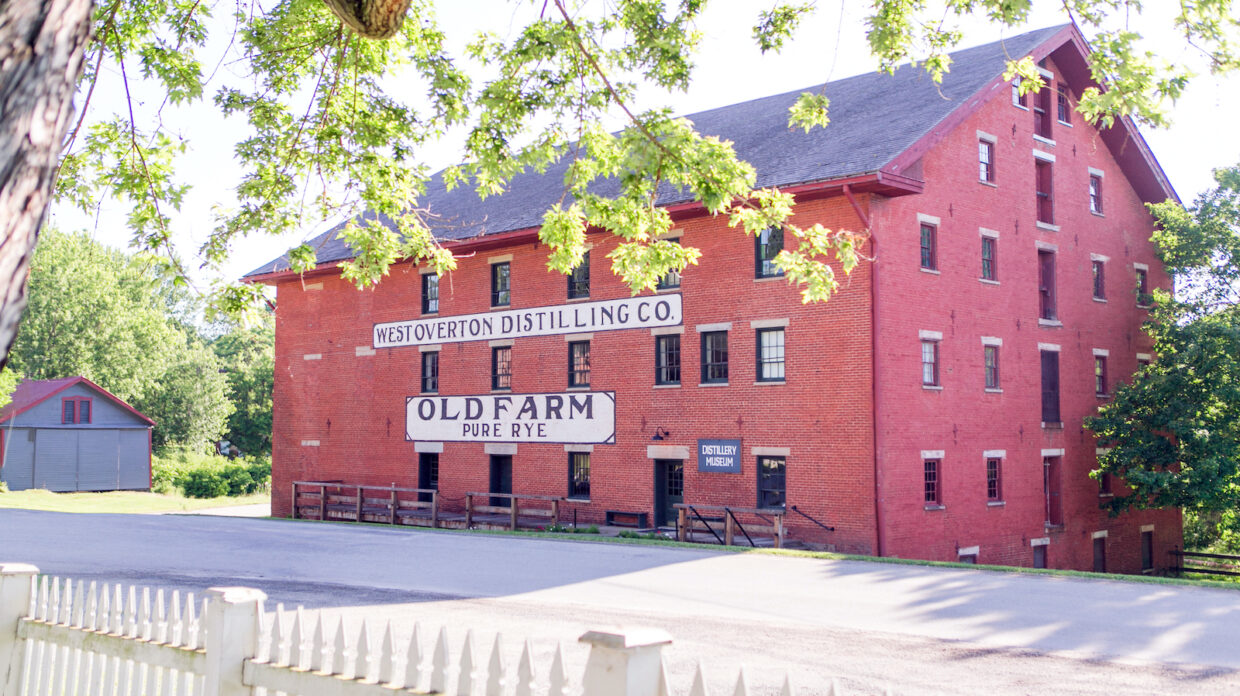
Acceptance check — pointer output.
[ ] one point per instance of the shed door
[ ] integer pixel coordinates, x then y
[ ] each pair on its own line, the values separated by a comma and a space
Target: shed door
97, 463
18, 471
55, 460
134, 455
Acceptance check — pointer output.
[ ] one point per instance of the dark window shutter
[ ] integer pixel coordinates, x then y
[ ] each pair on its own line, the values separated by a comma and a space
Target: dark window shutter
1050, 387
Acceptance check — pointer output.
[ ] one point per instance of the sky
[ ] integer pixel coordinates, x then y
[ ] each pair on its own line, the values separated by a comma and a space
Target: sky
729, 70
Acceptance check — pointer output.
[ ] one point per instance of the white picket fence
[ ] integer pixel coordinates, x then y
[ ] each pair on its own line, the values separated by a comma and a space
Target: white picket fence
66, 638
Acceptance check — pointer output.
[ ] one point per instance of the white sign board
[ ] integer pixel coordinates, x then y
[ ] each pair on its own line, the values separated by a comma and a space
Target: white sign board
579, 317
577, 418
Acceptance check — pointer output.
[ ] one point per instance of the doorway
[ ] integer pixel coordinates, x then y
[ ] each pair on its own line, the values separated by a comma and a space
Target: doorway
428, 474
501, 478
669, 489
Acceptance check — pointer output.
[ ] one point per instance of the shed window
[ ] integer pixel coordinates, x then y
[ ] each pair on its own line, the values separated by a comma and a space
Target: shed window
75, 410
70, 408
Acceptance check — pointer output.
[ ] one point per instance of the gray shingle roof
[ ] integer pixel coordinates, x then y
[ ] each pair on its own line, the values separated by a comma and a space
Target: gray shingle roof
874, 118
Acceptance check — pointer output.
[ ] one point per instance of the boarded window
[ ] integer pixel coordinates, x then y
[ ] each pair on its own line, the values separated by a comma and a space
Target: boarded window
1050, 387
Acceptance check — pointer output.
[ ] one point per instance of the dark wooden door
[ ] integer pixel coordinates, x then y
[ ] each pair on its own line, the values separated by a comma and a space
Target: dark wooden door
1039, 557
1100, 555
428, 474
669, 489
501, 478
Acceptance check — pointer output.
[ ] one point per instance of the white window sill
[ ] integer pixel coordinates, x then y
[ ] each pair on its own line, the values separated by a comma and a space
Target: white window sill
571, 300
769, 382
932, 387
713, 384
1050, 323
1106, 495
931, 271
1044, 141
996, 503
1058, 425
991, 184
1065, 124
993, 391
988, 282
571, 499
667, 386
579, 387
1047, 226
660, 291
931, 508
1144, 306
501, 306
1097, 214
504, 390
430, 314
767, 279
1103, 300
1022, 108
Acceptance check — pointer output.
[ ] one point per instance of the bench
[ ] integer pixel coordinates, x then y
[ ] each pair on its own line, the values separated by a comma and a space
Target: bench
622, 518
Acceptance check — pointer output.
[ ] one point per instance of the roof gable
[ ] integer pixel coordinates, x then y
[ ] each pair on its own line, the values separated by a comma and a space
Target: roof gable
879, 124
31, 393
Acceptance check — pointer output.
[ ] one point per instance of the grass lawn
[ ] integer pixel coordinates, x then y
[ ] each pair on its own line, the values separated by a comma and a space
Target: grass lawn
119, 501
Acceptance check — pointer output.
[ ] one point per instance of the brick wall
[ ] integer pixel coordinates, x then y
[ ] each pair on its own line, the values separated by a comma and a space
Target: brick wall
962, 419
340, 414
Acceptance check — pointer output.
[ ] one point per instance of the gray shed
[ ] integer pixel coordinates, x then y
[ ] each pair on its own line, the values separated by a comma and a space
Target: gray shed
70, 434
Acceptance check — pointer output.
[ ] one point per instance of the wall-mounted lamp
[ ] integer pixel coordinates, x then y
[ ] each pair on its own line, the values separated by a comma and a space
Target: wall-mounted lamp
661, 434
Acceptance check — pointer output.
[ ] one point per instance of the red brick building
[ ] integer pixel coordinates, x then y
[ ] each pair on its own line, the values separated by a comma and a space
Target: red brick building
932, 409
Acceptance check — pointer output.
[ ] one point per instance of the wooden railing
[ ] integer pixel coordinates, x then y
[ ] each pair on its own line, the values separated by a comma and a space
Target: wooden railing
528, 506
1207, 563
710, 518
322, 500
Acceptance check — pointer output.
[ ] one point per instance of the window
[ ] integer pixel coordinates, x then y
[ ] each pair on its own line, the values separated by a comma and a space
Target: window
928, 256
1018, 99
929, 363
771, 482
1144, 298
579, 364
986, 161
770, 355
1147, 550
1104, 485
501, 367
1050, 386
994, 487
1045, 191
991, 360
1100, 375
990, 268
579, 279
1050, 489
671, 279
75, 410
501, 284
714, 356
1064, 106
1046, 285
767, 246
1095, 194
1100, 282
667, 359
430, 293
579, 475
1042, 111
933, 493
430, 372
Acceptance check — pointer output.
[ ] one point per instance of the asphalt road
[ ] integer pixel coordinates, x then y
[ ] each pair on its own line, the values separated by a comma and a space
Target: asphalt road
869, 625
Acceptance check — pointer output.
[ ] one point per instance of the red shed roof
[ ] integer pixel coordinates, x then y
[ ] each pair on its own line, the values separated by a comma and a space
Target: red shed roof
32, 392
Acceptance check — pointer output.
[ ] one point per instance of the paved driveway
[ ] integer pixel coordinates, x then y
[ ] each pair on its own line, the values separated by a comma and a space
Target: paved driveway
922, 630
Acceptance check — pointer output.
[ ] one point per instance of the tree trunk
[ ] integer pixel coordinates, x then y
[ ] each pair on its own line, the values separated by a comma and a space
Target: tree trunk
42, 48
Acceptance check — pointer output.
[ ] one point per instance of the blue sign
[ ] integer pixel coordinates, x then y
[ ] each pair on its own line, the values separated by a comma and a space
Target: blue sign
719, 456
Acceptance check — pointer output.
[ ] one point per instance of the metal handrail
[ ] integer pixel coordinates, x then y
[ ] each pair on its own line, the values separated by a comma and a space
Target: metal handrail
738, 524
811, 519
705, 523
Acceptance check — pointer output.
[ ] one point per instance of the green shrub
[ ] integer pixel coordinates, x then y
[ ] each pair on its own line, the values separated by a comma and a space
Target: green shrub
208, 475
204, 483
